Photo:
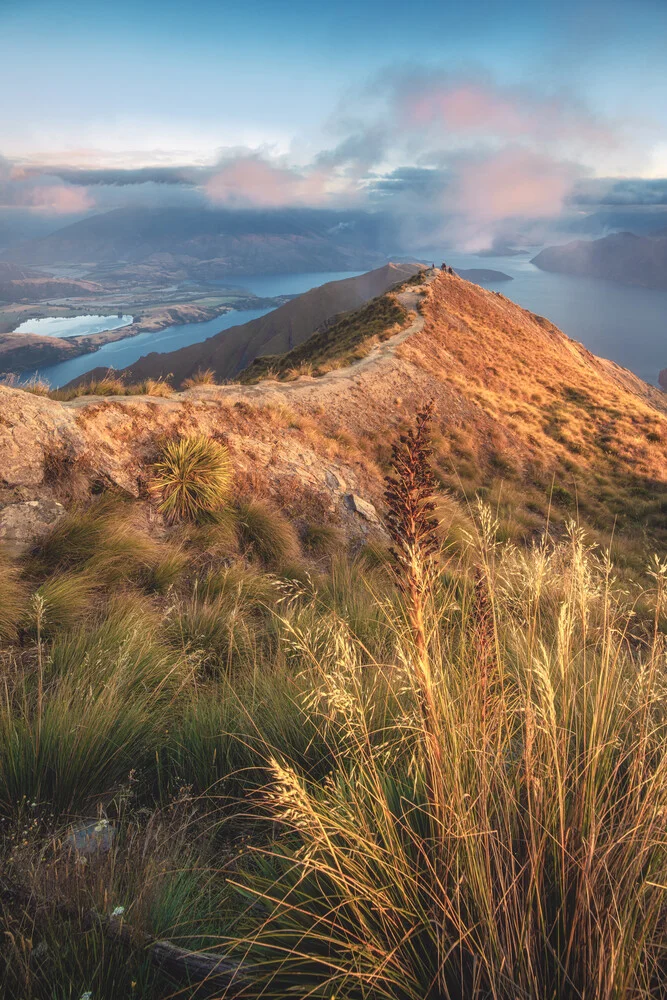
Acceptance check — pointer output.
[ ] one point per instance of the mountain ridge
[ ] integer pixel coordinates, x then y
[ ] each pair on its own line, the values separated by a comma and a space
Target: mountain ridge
212, 244
579, 436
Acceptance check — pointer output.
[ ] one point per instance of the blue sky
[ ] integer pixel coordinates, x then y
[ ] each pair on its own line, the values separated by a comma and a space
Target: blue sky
274, 90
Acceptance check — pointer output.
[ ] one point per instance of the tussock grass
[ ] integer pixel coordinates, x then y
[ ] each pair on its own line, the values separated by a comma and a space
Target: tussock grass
153, 387
36, 385
107, 542
200, 377
108, 385
13, 599
192, 479
438, 776
322, 539
62, 601
266, 533
522, 853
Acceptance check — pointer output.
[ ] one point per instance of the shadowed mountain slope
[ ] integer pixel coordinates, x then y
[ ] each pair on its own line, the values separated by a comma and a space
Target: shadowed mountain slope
279, 331
622, 257
213, 244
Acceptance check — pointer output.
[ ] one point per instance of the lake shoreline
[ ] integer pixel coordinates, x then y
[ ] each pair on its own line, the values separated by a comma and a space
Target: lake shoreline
22, 352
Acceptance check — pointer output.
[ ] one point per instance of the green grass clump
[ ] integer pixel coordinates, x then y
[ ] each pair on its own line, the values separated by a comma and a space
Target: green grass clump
322, 539
60, 603
108, 542
192, 479
266, 533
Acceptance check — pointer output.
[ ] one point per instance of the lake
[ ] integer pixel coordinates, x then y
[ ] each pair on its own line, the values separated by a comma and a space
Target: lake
72, 326
121, 353
620, 322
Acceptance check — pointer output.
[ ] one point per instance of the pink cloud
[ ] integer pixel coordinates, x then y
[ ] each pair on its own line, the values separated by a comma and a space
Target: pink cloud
470, 108
249, 179
58, 199
512, 182
21, 187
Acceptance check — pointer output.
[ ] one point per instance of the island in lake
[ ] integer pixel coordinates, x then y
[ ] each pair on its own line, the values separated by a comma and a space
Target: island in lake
482, 275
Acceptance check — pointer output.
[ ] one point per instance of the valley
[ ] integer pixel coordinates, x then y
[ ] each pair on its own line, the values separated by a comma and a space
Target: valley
151, 311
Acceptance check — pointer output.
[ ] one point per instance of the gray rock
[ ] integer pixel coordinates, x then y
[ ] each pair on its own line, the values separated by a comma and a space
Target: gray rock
363, 508
334, 480
21, 524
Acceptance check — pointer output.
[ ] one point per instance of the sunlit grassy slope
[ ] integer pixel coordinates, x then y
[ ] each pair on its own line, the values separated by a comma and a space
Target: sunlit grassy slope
439, 773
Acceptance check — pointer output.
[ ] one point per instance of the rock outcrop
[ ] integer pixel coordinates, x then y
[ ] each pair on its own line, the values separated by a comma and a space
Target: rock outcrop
22, 524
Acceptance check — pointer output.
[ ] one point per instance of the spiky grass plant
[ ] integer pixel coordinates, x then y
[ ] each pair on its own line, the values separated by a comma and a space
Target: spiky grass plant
191, 480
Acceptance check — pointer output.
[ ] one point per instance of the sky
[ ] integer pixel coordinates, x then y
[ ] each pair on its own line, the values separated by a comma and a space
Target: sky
474, 118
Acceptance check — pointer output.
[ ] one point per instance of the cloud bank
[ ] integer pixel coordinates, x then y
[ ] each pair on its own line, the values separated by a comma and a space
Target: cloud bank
456, 158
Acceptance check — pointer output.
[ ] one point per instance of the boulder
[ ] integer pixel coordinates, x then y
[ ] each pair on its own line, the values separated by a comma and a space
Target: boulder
363, 508
22, 524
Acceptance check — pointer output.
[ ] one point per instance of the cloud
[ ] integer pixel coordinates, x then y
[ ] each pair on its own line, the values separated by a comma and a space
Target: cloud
626, 191
475, 107
20, 188
455, 157
512, 184
246, 178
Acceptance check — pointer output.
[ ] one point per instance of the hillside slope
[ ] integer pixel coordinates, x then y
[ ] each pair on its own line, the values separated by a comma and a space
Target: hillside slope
19, 284
622, 257
526, 417
279, 331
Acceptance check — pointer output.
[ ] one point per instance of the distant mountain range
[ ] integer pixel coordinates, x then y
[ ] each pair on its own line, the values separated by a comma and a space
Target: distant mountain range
621, 257
211, 245
276, 333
